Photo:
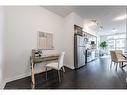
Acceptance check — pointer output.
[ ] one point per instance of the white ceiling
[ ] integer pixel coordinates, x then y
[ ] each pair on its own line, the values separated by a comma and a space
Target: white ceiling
103, 14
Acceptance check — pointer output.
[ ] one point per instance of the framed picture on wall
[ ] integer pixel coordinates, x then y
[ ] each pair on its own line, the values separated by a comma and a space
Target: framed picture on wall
45, 40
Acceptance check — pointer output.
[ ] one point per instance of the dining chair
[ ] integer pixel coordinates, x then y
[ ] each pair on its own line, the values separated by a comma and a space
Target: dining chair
113, 58
118, 58
58, 65
121, 58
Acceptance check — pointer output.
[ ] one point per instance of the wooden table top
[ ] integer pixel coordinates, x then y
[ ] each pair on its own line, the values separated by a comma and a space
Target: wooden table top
48, 57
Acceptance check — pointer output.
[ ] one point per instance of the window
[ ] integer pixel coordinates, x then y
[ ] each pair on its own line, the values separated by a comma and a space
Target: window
115, 41
111, 44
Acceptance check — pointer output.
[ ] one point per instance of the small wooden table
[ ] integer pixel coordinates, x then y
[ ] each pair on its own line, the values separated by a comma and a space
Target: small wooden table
34, 60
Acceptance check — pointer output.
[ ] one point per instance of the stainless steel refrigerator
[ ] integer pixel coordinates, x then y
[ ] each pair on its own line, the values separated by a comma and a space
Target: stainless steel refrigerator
79, 51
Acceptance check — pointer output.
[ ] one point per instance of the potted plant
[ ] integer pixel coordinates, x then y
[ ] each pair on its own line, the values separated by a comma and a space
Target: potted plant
104, 45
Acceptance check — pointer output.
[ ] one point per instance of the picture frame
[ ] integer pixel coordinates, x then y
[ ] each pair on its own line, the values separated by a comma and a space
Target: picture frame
45, 41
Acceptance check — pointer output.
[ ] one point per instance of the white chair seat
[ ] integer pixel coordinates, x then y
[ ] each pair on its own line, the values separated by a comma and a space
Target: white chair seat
53, 65
56, 65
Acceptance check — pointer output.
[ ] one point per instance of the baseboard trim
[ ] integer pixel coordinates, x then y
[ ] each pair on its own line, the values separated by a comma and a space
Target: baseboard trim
71, 67
17, 77
21, 76
25, 75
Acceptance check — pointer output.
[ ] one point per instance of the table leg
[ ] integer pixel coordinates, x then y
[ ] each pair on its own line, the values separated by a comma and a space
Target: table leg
63, 69
33, 77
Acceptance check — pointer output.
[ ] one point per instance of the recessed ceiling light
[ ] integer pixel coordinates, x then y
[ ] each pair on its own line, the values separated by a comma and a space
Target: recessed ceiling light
122, 17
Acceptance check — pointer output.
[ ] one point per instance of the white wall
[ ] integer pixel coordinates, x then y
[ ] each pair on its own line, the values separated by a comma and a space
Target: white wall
2, 65
78, 20
70, 20
68, 43
22, 24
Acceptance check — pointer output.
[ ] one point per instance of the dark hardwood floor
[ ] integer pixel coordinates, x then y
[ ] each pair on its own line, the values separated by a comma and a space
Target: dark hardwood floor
96, 75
